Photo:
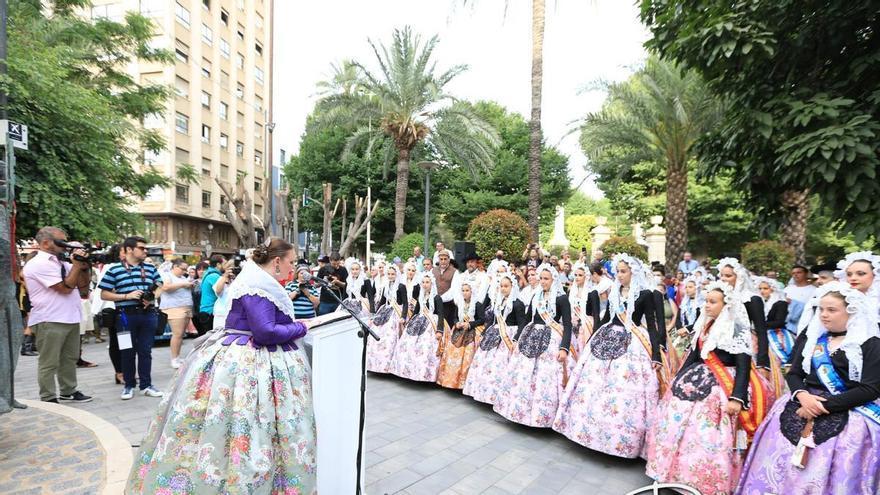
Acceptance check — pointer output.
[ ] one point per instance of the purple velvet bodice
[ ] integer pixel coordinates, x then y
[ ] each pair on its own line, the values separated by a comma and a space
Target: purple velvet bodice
269, 326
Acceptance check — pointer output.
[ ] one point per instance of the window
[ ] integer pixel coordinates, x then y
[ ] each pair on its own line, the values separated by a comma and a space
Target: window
258, 74
239, 91
224, 79
181, 155
258, 159
181, 87
206, 68
152, 8
258, 185
207, 34
111, 11
206, 99
258, 210
224, 111
181, 193
259, 21
181, 123
206, 168
259, 49
240, 32
240, 122
182, 14
224, 48
206, 4
224, 141
239, 149
181, 51
258, 130
239, 61
224, 174
206, 199
224, 17
258, 102
206, 134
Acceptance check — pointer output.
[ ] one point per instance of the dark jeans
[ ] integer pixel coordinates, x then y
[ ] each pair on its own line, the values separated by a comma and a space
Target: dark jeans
115, 356
327, 307
142, 326
205, 323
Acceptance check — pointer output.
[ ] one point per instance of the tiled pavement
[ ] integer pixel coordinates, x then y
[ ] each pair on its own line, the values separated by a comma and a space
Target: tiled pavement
420, 438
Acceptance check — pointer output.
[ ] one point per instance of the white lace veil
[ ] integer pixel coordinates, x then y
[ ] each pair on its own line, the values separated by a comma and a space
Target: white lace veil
689, 305
555, 291
744, 288
731, 331
577, 296
861, 326
775, 296
504, 309
868, 256
410, 284
353, 285
462, 307
637, 284
390, 289
427, 300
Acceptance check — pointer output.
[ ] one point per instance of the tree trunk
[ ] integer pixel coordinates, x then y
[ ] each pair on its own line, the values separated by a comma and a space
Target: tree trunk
535, 122
401, 191
342, 233
676, 213
10, 317
242, 219
294, 226
358, 225
795, 211
327, 231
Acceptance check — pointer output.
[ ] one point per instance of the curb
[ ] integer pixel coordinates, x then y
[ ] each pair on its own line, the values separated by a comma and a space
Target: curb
117, 449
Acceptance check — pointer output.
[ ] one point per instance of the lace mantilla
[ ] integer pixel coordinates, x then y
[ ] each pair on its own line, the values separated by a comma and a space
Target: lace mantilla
637, 284
730, 331
744, 286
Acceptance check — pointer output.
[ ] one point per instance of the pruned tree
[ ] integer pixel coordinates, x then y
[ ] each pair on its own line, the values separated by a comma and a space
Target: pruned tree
358, 224
329, 215
239, 211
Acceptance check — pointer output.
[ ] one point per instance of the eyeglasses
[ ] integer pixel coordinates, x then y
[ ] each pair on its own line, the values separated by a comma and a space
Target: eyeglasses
142, 248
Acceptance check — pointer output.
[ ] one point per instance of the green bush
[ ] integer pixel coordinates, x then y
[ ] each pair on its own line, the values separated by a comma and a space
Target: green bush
499, 229
763, 256
403, 248
577, 230
627, 245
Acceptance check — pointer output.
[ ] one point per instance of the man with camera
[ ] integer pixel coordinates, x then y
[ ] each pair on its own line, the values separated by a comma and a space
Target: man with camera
132, 286
303, 294
335, 274
56, 287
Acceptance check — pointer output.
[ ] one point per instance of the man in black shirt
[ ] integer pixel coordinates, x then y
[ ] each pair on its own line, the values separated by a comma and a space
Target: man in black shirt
336, 275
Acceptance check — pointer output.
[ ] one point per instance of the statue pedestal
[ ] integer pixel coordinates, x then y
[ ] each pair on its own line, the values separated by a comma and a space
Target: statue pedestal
599, 234
655, 237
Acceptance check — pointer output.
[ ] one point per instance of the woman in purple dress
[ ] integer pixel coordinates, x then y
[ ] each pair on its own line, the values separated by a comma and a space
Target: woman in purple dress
239, 416
824, 437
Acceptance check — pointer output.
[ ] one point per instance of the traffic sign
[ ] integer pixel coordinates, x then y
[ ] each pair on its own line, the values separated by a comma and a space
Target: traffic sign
17, 132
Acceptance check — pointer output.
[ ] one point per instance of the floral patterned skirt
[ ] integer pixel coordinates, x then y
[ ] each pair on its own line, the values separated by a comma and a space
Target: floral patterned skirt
489, 369
455, 363
380, 353
415, 355
693, 438
237, 419
677, 350
611, 395
846, 460
530, 391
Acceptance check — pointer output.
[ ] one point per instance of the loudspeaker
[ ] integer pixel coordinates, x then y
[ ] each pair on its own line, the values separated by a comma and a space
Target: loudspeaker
461, 250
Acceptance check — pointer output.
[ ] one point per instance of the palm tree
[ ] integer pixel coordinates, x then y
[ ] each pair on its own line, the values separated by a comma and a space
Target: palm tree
657, 115
404, 106
535, 136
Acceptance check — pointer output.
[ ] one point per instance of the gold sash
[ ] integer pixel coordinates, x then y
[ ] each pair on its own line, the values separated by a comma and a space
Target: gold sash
662, 373
502, 330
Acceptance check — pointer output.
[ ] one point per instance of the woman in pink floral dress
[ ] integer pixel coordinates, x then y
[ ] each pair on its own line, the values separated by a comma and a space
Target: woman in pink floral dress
387, 323
415, 356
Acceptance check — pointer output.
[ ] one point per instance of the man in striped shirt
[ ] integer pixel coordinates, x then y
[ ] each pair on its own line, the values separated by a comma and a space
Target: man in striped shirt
131, 285
303, 294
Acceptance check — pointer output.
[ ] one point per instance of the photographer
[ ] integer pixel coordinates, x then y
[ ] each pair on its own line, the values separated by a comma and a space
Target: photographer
303, 294
56, 288
214, 282
176, 303
532, 256
131, 285
336, 274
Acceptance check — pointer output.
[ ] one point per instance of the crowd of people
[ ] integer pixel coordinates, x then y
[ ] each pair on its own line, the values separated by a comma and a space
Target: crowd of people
721, 379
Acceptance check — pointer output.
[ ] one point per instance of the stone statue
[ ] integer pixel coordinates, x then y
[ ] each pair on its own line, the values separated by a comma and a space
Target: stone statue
558, 238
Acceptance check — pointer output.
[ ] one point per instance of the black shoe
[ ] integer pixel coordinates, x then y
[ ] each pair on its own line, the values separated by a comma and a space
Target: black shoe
75, 397
53, 401
28, 346
25, 351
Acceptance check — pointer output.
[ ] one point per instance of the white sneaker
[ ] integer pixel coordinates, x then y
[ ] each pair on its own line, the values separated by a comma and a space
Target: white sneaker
152, 392
175, 363
127, 393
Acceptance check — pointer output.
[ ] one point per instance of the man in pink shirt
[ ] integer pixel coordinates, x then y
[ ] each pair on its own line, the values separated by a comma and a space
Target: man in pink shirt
55, 288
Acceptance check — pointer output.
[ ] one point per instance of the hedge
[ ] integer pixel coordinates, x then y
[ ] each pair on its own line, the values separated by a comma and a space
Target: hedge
627, 245
403, 248
499, 229
763, 256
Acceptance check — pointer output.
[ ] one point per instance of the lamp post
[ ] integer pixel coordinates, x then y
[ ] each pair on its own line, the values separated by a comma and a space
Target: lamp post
428, 166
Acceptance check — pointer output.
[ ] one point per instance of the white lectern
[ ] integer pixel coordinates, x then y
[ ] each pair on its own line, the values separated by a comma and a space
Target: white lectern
335, 350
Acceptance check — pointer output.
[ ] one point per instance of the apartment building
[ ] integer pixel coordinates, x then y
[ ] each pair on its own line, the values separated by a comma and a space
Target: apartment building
218, 121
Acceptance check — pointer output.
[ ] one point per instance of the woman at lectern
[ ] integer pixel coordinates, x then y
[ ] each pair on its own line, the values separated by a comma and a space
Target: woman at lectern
239, 415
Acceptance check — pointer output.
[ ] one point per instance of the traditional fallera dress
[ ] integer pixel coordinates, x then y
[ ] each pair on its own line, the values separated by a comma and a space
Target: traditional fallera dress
679, 345
533, 386
388, 323
581, 319
842, 447
458, 346
693, 440
613, 391
489, 369
360, 293
238, 417
415, 355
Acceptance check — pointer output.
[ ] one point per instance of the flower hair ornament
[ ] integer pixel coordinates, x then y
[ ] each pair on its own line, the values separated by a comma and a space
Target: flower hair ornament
861, 326
871, 258
637, 284
744, 285
730, 330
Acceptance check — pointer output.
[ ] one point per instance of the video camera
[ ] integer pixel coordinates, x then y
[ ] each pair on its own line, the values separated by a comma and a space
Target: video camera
237, 260
96, 254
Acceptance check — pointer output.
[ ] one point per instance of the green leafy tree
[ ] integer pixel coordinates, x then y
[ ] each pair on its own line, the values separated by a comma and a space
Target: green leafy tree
767, 255
578, 231
68, 82
656, 117
405, 104
462, 196
801, 78
498, 229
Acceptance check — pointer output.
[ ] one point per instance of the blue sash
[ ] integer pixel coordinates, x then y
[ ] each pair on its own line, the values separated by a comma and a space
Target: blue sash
834, 383
781, 343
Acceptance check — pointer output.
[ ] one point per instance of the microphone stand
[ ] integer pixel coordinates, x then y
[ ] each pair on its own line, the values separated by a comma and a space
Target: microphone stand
364, 333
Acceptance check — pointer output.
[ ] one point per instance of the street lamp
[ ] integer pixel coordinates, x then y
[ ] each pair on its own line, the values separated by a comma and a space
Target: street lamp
428, 166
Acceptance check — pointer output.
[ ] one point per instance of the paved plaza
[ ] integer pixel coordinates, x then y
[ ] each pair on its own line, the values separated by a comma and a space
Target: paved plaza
420, 438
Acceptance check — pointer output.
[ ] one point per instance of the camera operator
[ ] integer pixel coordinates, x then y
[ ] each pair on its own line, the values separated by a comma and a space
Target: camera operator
176, 303
131, 285
303, 294
336, 274
56, 288
216, 278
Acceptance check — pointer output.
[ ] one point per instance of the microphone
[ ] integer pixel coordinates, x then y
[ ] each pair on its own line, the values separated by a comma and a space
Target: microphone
307, 277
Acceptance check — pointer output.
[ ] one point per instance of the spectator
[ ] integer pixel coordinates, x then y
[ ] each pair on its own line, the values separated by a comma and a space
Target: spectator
304, 294
335, 274
215, 278
532, 256
105, 313
200, 269
688, 264
177, 304
55, 288
441, 248
28, 345
606, 263
427, 265
418, 257
499, 255
824, 273
131, 285
800, 288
